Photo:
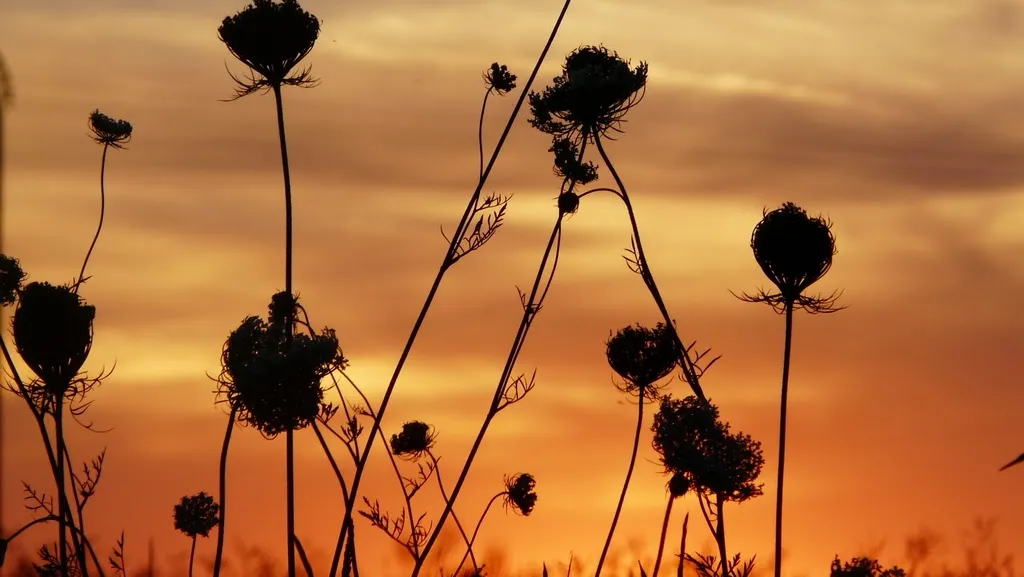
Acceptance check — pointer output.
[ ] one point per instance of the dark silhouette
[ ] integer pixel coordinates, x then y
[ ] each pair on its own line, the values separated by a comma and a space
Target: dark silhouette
195, 516
863, 567
1016, 461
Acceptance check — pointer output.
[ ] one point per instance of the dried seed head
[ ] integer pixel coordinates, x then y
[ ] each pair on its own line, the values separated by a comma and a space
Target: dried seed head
678, 485
196, 515
415, 439
568, 164
53, 333
568, 202
793, 249
642, 356
109, 131
519, 493
590, 97
499, 79
11, 277
271, 38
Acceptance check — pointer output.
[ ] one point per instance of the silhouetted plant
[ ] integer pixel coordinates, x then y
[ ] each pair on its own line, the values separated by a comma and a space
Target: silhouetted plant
863, 567
193, 516
11, 278
794, 251
519, 495
415, 439
1016, 461
678, 485
642, 357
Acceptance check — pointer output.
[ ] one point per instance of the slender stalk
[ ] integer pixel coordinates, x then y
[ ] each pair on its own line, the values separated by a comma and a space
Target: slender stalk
690, 371
480, 130
782, 437
444, 495
720, 533
103, 206
682, 546
79, 508
445, 265
219, 557
625, 484
480, 522
62, 499
191, 556
664, 533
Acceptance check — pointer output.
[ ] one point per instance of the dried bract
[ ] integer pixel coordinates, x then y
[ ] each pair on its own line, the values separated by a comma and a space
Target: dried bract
109, 131
642, 356
415, 439
11, 277
52, 328
520, 494
499, 79
196, 515
568, 164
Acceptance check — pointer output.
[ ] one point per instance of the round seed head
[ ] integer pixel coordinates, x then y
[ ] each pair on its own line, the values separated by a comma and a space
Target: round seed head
642, 356
196, 515
678, 485
271, 38
109, 131
793, 249
11, 277
499, 79
52, 328
415, 439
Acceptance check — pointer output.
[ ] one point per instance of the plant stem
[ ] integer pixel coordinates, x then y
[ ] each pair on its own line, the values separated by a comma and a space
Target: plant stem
682, 546
472, 539
720, 533
191, 556
625, 485
62, 502
782, 437
219, 558
103, 206
445, 264
444, 495
664, 533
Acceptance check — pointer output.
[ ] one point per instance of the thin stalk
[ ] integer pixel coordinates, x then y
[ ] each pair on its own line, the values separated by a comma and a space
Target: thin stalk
103, 206
530, 310
686, 364
191, 556
720, 533
664, 533
219, 557
625, 484
444, 495
62, 499
682, 546
79, 508
445, 265
472, 539
782, 437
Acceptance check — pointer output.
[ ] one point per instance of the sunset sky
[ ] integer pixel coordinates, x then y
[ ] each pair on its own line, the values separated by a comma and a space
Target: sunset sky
900, 120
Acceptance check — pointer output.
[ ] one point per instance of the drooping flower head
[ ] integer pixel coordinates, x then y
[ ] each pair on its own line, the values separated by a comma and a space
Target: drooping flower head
520, 494
11, 277
53, 329
694, 443
196, 515
590, 97
109, 131
499, 79
794, 250
272, 379
642, 356
271, 38
415, 439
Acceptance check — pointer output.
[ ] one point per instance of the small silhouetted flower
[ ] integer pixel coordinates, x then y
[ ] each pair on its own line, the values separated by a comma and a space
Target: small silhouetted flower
678, 485
271, 38
519, 493
794, 250
109, 131
415, 439
693, 442
642, 356
11, 277
568, 202
568, 164
271, 378
52, 328
590, 97
196, 515
499, 79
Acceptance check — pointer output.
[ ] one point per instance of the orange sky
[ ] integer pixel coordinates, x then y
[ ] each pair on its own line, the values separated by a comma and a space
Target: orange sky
899, 119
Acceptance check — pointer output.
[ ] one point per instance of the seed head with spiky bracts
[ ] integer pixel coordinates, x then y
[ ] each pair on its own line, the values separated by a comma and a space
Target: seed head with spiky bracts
108, 131
415, 439
53, 329
520, 494
642, 356
499, 79
196, 515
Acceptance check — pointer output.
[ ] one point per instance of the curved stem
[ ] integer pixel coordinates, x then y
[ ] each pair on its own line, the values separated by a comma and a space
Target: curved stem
219, 557
625, 485
446, 263
192, 556
782, 437
480, 131
686, 364
103, 205
664, 533
472, 539
444, 495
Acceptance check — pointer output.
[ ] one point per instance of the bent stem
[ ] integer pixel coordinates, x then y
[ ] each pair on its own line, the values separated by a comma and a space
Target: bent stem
480, 522
445, 265
444, 495
219, 557
103, 206
664, 533
690, 371
625, 485
782, 437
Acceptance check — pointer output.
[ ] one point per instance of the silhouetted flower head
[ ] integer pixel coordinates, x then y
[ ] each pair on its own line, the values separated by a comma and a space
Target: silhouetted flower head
568, 202
271, 38
53, 333
642, 356
109, 131
694, 443
794, 250
678, 485
415, 439
272, 378
568, 164
519, 493
11, 277
591, 96
196, 515
499, 79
